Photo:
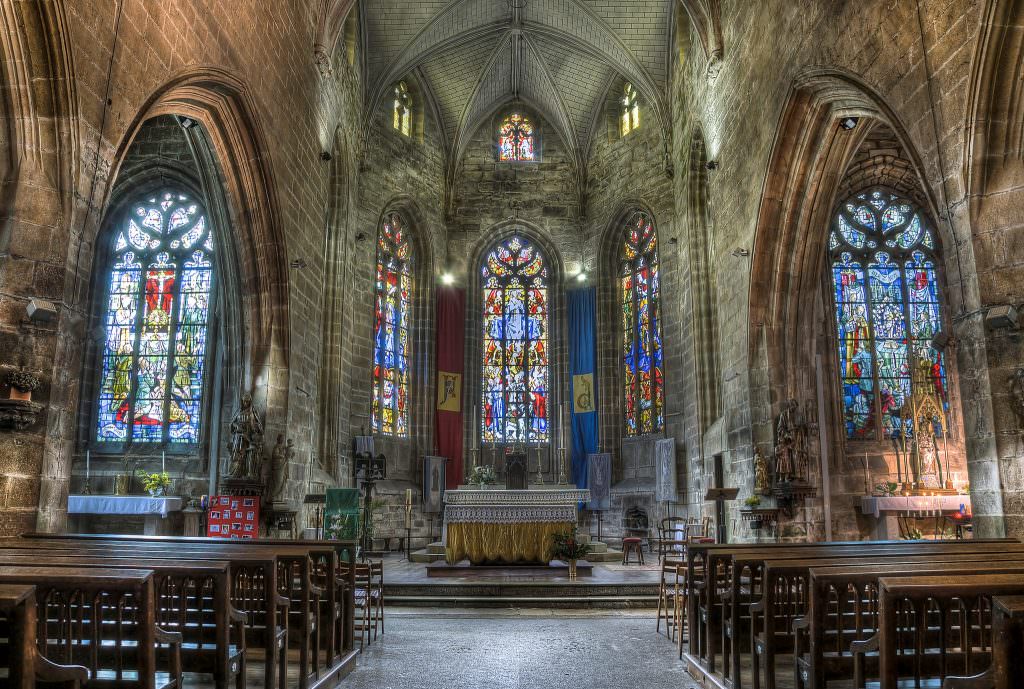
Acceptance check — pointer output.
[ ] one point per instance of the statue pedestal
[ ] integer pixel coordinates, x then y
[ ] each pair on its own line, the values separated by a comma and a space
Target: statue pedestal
241, 486
281, 517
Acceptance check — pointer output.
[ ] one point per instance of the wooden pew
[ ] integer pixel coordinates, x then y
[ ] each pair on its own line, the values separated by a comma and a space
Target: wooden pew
79, 609
253, 589
903, 610
192, 598
1007, 669
709, 604
788, 595
838, 635
324, 655
21, 664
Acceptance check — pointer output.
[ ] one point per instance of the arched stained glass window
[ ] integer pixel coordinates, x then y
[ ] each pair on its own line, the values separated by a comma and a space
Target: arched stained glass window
156, 324
887, 308
515, 344
642, 356
516, 139
403, 109
391, 329
630, 110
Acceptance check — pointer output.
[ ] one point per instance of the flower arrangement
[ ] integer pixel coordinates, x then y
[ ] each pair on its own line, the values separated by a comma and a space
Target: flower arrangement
157, 483
23, 380
567, 546
483, 475
887, 488
752, 501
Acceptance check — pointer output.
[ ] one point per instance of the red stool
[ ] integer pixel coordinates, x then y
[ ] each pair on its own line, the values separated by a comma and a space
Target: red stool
632, 545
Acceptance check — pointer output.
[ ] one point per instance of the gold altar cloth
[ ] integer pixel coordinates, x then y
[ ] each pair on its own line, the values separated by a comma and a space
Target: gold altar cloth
501, 543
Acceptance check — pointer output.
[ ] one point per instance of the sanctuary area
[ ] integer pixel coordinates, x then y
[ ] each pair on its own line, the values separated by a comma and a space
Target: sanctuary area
452, 343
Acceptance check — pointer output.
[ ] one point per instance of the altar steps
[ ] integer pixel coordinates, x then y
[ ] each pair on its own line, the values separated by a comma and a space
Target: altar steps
600, 552
519, 594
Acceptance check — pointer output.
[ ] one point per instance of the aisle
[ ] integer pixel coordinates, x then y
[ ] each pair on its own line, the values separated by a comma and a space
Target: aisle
519, 649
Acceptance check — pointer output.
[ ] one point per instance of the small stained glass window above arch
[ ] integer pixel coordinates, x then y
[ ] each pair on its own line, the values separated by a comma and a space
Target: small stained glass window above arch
515, 366
888, 311
392, 311
517, 139
156, 324
402, 116
629, 110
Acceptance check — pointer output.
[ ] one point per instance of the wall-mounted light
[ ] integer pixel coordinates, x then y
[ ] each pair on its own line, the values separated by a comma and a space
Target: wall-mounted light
711, 165
186, 122
581, 277
848, 123
447, 278
740, 252
299, 263
360, 236
673, 240
325, 156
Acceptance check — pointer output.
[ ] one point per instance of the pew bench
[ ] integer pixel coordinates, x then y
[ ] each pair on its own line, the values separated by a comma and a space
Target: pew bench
21, 664
104, 620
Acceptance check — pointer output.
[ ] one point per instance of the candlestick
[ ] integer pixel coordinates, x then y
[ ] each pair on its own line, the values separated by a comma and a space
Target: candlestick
540, 474
87, 465
163, 462
408, 497
561, 467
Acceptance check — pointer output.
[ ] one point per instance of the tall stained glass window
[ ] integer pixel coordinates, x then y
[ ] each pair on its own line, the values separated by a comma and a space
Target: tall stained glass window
156, 324
403, 109
630, 111
515, 344
516, 138
391, 329
643, 361
887, 308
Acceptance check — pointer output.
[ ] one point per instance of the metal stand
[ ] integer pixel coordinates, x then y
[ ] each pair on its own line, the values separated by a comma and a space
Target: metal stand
561, 467
540, 474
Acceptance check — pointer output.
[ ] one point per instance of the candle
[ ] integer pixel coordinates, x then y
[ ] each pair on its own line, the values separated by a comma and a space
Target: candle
87, 465
408, 497
163, 462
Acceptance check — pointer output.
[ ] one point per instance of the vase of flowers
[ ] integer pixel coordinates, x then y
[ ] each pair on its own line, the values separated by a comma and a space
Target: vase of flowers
483, 475
156, 484
23, 383
566, 546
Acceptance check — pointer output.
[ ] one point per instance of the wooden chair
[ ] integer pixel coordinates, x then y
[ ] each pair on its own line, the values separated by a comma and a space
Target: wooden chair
377, 595
670, 596
368, 601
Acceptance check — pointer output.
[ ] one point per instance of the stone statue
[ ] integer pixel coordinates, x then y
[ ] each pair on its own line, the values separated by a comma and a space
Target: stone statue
280, 464
1017, 394
761, 485
246, 444
785, 441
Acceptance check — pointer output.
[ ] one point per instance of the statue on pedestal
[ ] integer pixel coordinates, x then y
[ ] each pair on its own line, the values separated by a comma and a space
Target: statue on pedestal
281, 458
1017, 394
761, 484
246, 444
785, 441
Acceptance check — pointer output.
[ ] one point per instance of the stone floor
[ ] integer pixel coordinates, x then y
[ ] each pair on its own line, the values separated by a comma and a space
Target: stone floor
432, 648
397, 570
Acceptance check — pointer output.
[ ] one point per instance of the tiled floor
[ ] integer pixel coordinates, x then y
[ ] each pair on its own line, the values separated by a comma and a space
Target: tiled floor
519, 649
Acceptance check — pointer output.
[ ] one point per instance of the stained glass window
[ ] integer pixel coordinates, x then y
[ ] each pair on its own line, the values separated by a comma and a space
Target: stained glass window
643, 364
391, 329
630, 111
156, 324
515, 344
403, 109
887, 308
516, 140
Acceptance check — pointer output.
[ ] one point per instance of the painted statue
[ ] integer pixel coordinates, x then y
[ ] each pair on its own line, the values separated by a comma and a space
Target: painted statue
761, 484
785, 441
279, 468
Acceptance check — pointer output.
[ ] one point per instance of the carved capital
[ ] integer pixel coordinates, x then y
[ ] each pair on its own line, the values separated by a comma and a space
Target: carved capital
18, 415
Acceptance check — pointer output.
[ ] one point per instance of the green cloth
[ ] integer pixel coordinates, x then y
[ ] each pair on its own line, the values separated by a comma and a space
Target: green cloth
341, 513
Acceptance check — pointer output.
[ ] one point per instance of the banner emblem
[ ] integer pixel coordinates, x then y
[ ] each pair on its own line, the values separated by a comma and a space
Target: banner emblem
583, 393
449, 391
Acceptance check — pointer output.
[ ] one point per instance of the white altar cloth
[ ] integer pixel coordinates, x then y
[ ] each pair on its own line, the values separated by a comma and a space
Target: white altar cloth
124, 504
875, 505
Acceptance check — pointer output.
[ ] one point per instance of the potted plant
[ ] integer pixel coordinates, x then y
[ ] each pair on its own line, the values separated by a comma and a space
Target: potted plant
567, 546
156, 484
23, 383
752, 502
483, 475
887, 488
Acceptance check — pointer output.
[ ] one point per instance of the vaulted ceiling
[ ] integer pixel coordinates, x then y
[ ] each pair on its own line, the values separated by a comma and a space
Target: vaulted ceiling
558, 56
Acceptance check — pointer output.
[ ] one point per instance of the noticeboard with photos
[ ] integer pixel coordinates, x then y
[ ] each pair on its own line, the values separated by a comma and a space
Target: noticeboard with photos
233, 516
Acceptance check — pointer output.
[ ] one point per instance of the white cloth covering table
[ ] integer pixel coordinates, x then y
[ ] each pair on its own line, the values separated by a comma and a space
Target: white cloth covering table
155, 510
888, 510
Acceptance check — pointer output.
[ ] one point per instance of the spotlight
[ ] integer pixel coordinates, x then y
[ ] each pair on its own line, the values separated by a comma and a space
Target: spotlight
711, 165
581, 277
299, 263
447, 278
325, 156
360, 236
848, 123
187, 122
740, 252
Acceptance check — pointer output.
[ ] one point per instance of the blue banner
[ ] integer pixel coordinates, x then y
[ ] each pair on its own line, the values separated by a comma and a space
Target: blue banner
582, 367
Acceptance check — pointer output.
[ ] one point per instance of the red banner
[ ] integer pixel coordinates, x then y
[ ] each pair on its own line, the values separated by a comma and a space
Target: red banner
448, 408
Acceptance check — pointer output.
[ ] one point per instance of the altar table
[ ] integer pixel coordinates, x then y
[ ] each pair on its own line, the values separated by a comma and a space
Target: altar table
153, 509
883, 508
494, 526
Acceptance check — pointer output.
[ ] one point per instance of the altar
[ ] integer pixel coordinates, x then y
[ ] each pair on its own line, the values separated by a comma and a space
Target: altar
154, 510
495, 526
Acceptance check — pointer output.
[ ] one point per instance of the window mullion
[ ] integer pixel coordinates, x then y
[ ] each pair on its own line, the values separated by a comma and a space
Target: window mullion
172, 335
